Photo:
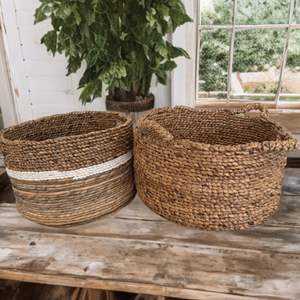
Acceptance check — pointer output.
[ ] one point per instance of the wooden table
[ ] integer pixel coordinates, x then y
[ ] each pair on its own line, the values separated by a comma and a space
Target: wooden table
135, 250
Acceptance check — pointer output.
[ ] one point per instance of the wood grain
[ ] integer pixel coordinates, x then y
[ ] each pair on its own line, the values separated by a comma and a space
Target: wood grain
134, 250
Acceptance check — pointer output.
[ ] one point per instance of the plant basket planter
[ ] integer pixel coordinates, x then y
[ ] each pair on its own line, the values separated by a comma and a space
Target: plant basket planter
70, 168
211, 169
146, 103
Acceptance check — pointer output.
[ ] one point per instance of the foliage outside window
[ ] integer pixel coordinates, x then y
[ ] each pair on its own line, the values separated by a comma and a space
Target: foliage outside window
255, 50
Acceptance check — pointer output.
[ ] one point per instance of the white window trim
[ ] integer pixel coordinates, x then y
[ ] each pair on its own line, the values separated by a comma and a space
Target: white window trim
7, 101
184, 79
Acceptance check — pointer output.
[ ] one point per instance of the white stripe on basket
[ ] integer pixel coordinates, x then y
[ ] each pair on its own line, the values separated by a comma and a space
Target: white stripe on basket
74, 174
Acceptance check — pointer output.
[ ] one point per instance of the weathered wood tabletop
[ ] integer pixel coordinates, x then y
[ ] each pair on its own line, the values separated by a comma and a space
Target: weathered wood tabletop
137, 251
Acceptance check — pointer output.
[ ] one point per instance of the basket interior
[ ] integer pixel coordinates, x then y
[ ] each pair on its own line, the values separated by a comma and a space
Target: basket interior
63, 125
221, 128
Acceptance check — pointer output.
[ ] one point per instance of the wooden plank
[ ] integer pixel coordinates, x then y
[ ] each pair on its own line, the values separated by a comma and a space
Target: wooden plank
287, 114
290, 120
284, 106
114, 263
240, 27
133, 288
136, 222
135, 250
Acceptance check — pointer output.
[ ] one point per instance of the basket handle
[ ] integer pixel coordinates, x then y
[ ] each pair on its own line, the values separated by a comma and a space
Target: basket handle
153, 132
255, 106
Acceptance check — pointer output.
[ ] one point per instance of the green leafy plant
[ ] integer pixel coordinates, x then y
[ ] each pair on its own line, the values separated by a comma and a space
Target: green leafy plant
120, 43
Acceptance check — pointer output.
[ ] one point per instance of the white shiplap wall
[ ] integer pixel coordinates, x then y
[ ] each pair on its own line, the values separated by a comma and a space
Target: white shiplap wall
39, 82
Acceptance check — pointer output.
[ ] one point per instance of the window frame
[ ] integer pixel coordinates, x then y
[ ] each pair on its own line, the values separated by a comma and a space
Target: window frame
233, 28
184, 78
188, 37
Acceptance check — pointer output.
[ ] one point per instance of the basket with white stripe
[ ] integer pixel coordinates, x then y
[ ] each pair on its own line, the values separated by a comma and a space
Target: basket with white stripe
70, 168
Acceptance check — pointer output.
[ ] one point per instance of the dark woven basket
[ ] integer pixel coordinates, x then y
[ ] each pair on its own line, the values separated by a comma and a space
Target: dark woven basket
212, 169
130, 106
70, 168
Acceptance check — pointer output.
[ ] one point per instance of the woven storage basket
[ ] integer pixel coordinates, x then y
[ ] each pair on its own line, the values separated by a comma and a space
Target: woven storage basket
212, 169
70, 168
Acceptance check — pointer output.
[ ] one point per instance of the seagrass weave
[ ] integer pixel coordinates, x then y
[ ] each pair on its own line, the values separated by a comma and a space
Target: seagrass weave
70, 168
212, 169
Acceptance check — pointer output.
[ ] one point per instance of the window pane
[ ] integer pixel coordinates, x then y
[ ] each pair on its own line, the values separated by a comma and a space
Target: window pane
297, 12
291, 75
214, 57
263, 11
216, 12
257, 60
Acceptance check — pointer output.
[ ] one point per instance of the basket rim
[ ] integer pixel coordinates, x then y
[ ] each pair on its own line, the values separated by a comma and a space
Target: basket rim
6, 141
287, 143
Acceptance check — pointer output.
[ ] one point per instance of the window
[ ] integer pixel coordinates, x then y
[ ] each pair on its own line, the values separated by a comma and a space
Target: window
248, 50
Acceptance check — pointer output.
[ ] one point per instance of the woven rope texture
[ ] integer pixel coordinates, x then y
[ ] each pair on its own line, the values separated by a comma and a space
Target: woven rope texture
212, 169
70, 168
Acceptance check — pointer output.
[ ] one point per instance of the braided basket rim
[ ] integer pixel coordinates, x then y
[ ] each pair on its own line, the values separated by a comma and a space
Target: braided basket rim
126, 121
287, 142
